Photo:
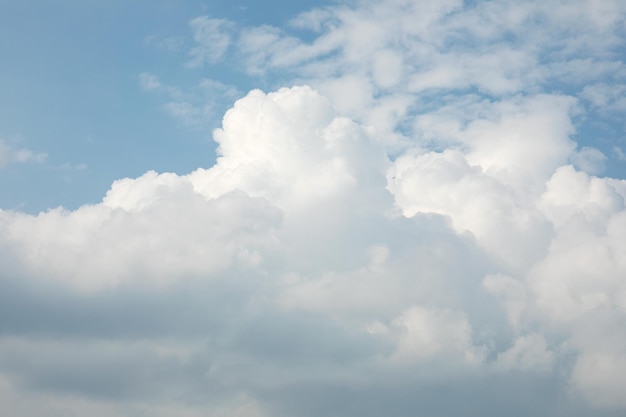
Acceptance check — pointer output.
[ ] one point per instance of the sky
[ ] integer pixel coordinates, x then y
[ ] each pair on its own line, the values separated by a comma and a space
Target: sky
312, 209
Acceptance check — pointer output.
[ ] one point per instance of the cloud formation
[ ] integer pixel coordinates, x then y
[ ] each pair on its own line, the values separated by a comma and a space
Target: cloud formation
212, 40
10, 154
416, 233
195, 107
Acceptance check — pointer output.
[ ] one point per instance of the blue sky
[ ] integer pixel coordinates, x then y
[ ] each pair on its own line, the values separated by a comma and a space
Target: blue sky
70, 91
305, 209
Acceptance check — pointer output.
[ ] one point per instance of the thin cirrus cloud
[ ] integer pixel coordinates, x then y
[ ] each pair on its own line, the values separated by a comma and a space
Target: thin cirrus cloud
212, 40
416, 231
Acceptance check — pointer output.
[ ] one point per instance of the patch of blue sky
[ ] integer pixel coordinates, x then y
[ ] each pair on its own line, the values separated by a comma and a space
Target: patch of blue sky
69, 82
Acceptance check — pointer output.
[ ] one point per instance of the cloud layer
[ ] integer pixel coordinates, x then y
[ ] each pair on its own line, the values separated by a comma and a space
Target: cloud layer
418, 233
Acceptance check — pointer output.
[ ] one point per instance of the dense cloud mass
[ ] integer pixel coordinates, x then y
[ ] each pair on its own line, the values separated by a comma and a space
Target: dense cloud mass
416, 233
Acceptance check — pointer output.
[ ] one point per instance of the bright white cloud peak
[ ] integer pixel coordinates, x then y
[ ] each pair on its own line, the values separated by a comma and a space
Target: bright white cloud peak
417, 233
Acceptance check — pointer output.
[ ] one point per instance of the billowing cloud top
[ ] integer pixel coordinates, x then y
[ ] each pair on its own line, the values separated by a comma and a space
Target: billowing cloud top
416, 233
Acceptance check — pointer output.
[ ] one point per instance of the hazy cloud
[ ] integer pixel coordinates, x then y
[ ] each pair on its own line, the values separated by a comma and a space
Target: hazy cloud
198, 106
212, 37
10, 154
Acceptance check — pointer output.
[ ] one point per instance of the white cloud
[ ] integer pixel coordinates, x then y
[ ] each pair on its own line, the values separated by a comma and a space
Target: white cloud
598, 373
571, 194
3, 154
293, 237
528, 353
72, 167
424, 333
212, 37
26, 155
600, 377
589, 160
10, 154
410, 221
195, 107
149, 81
445, 183
290, 148
606, 97
513, 295
397, 47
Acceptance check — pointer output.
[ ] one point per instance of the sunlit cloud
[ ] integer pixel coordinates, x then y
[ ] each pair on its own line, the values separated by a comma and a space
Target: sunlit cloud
403, 224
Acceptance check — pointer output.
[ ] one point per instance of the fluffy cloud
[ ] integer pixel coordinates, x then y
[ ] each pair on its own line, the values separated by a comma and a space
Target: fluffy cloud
528, 352
418, 232
425, 333
414, 50
289, 250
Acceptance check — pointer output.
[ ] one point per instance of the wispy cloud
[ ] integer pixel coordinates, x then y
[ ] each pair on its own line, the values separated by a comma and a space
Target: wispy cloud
196, 107
212, 37
26, 155
11, 154
3, 154
171, 44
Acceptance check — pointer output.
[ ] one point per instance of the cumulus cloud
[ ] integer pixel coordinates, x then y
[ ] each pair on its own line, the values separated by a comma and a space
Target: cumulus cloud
416, 49
289, 250
425, 333
528, 352
418, 231
589, 160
